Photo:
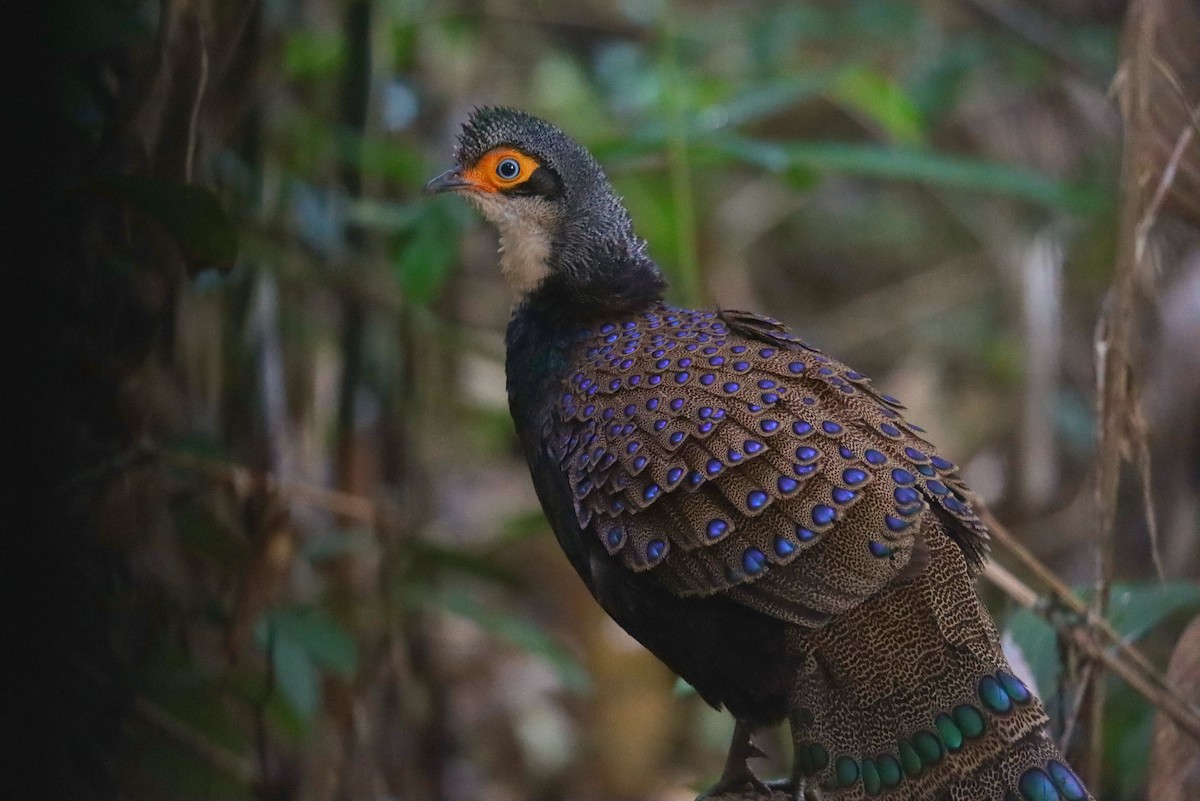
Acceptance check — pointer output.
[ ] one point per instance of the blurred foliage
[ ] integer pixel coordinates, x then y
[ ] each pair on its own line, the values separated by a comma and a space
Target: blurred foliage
874, 172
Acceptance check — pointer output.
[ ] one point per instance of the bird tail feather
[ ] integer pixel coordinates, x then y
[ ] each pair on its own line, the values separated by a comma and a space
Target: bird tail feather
908, 697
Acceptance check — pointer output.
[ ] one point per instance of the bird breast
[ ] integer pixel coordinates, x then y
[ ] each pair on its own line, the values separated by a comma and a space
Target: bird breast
524, 224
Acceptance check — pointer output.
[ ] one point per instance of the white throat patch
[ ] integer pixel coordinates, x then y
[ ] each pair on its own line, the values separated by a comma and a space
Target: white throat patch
524, 224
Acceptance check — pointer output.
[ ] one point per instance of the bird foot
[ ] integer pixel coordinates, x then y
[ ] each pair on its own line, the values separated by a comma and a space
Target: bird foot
748, 787
738, 781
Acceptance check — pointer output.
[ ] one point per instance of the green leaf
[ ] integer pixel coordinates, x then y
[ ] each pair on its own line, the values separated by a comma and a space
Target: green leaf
883, 101
1039, 645
296, 675
190, 215
314, 631
309, 55
756, 102
926, 167
514, 630
1135, 609
432, 558
424, 258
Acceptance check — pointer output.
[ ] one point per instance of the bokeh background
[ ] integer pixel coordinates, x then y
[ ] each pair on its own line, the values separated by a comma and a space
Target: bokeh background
305, 560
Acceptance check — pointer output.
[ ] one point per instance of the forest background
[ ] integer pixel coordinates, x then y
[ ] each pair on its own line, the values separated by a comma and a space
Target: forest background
280, 541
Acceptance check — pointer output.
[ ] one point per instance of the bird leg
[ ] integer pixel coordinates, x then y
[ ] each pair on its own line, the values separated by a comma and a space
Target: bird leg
737, 778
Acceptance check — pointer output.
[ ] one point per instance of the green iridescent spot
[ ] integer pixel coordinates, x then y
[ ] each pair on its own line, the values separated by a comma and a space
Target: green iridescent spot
889, 770
970, 721
993, 695
928, 747
948, 731
846, 770
818, 757
910, 759
870, 777
804, 761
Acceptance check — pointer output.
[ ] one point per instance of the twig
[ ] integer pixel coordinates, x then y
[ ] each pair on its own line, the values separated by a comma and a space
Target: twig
1112, 651
214, 755
1064, 597
343, 504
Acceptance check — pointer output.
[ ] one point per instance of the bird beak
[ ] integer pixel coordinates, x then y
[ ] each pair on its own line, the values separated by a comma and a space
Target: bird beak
449, 181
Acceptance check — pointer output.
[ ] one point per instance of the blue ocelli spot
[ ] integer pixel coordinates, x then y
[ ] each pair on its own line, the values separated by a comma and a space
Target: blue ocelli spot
879, 550
1066, 781
796, 367
805, 534
753, 560
732, 386
874, 457
715, 528
756, 499
823, 514
674, 474
842, 496
889, 429
906, 495
831, 427
1014, 687
752, 446
896, 523
768, 425
787, 485
853, 476
1035, 785
806, 454
802, 428
902, 476
783, 546
713, 467
655, 549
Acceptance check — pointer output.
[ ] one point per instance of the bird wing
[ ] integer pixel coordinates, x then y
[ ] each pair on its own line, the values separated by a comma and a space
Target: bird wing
720, 452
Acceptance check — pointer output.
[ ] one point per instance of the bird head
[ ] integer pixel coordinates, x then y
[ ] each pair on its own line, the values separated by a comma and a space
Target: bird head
555, 210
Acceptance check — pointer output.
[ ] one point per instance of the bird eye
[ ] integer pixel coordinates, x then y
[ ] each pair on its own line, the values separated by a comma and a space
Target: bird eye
508, 169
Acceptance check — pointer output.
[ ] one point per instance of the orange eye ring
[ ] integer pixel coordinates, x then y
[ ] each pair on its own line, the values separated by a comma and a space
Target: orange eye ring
501, 168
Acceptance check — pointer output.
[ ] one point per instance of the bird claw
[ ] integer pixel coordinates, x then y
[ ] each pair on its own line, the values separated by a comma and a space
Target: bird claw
735, 786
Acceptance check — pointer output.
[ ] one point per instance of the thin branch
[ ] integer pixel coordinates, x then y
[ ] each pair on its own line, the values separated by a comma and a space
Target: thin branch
344, 504
1094, 637
215, 756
